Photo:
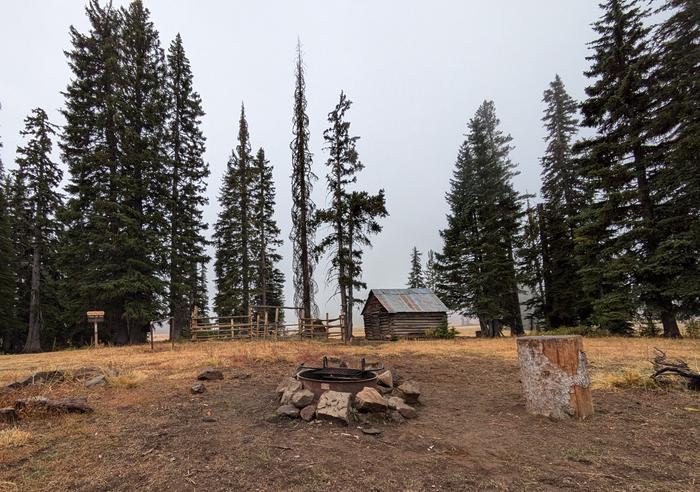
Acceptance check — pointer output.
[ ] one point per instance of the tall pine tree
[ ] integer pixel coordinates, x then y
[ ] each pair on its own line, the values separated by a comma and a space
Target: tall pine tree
343, 165
562, 192
430, 271
113, 252
351, 216
42, 178
269, 279
621, 234
8, 280
477, 265
234, 232
676, 128
188, 173
303, 233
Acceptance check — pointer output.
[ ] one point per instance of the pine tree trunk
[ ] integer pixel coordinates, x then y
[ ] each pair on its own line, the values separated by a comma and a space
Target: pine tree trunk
668, 320
33, 343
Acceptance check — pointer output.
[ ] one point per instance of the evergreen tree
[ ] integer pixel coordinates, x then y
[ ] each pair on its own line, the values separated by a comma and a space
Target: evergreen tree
42, 178
620, 235
676, 128
8, 280
144, 181
364, 210
90, 147
430, 271
201, 295
531, 271
114, 144
415, 276
343, 164
562, 191
303, 232
269, 279
351, 216
236, 260
188, 172
477, 266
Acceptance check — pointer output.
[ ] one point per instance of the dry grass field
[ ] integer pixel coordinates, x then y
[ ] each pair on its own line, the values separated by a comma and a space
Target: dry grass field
472, 432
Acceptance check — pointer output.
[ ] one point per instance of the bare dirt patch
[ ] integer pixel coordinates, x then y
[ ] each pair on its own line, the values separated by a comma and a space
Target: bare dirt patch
472, 431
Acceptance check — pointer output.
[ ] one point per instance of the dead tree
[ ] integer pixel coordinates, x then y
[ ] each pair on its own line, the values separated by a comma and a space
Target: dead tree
664, 366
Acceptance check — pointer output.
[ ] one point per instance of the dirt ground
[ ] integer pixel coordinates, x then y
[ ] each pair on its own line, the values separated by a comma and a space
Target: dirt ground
472, 432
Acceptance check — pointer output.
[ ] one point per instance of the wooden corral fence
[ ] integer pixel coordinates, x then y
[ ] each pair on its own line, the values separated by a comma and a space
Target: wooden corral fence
264, 322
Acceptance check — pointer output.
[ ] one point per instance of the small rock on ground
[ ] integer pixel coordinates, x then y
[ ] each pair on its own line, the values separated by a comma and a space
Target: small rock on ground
308, 413
399, 405
302, 398
198, 388
209, 418
410, 391
334, 405
210, 374
385, 379
289, 391
369, 400
371, 431
288, 411
100, 380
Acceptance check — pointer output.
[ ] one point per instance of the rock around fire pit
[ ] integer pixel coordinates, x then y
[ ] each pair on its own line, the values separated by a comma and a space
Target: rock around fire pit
343, 394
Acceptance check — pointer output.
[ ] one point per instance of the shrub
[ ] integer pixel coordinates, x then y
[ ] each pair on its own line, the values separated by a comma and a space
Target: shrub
586, 331
442, 331
692, 328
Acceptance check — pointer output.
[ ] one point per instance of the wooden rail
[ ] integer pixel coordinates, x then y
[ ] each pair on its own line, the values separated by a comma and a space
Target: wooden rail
258, 324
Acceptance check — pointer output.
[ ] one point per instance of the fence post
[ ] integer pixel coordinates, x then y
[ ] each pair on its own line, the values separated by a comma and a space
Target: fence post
277, 320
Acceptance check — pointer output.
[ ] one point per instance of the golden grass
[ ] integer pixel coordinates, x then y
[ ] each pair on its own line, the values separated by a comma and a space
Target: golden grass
615, 362
13, 437
128, 379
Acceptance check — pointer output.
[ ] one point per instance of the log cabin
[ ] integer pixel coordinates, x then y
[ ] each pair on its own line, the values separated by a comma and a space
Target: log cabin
391, 314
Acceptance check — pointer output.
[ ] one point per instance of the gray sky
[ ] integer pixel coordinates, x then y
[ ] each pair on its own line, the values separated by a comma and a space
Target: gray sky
416, 72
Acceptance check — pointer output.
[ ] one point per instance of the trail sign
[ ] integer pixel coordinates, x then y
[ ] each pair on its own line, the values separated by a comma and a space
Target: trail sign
95, 317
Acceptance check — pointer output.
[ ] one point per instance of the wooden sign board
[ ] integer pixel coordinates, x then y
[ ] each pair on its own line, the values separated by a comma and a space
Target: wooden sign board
96, 316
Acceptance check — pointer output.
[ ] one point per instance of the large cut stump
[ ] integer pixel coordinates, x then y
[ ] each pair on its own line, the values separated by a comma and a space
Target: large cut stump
555, 376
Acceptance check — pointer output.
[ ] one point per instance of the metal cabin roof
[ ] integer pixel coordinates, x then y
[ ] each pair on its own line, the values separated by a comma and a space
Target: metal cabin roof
408, 301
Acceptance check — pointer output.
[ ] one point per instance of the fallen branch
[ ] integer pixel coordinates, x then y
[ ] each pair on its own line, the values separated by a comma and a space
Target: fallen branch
70, 405
677, 367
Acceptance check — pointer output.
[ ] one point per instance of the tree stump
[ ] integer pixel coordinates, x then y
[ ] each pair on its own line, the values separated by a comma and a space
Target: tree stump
555, 376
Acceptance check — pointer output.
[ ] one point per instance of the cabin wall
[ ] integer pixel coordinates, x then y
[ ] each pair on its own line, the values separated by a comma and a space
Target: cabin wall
373, 315
415, 325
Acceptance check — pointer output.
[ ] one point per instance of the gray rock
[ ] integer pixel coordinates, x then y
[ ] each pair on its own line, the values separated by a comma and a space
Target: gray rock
371, 431
100, 380
308, 413
396, 417
410, 391
397, 404
198, 388
334, 406
282, 387
8, 415
39, 377
385, 379
288, 411
302, 398
289, 391
384, 390
210, 374
369, 400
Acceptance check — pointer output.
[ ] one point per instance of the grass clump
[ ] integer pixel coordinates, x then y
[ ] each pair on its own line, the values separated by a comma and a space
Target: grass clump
443, 331
630, 379
128, 380
13, 438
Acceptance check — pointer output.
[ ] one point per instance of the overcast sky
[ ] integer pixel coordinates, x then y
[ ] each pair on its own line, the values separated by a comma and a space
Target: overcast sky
416, 72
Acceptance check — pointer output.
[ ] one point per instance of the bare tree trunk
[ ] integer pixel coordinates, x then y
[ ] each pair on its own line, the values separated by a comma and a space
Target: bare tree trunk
33, 343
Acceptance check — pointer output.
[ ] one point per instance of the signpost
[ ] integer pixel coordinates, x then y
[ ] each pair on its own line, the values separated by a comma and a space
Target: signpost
95, 317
